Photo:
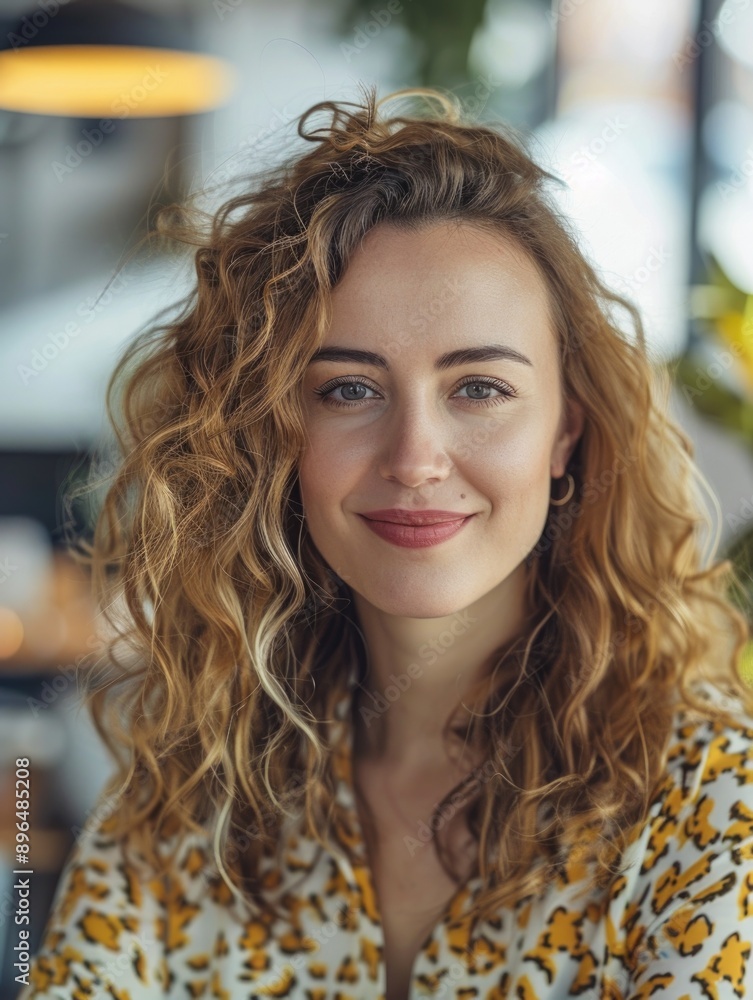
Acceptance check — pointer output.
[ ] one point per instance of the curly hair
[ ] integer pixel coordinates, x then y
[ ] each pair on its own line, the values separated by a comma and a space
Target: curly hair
243, 637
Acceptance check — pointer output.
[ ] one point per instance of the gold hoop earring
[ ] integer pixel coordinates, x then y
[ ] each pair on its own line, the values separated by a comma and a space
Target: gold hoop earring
570, 491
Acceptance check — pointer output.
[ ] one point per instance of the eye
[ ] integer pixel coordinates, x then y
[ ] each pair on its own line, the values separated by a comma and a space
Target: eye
324, 392
348, 383
507, 391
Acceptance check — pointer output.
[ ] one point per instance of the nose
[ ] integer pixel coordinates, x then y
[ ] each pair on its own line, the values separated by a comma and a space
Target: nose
414, 447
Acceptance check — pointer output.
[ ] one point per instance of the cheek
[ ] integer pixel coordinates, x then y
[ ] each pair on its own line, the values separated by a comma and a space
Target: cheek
325, 473
508, 465
335, 449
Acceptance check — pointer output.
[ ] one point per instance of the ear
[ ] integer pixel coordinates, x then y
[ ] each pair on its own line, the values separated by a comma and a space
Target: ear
570, 430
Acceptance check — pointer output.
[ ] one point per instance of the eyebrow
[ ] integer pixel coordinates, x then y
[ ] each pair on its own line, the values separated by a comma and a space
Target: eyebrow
464, 356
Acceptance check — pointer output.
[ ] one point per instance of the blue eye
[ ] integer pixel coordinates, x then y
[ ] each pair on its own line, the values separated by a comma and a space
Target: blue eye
325, 392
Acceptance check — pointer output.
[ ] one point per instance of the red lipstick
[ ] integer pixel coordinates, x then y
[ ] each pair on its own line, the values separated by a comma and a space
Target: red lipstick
416, 536
402, 515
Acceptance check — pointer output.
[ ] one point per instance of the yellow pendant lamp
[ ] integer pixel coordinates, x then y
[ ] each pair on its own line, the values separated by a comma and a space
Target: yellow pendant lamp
98, 59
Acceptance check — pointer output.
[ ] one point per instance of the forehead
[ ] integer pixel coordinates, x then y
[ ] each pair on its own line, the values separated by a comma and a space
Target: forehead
448, 277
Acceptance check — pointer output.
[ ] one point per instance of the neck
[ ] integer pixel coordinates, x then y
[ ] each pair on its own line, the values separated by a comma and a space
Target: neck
420, 670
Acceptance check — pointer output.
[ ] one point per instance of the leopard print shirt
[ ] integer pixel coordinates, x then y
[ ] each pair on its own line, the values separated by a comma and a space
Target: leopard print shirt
677, 924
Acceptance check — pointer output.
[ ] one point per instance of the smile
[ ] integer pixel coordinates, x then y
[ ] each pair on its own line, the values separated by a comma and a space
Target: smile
414, 536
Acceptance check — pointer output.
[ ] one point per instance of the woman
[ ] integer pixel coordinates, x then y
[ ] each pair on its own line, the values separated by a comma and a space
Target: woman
435, 695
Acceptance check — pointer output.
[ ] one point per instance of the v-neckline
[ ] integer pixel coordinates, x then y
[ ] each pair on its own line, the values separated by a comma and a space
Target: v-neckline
361, 874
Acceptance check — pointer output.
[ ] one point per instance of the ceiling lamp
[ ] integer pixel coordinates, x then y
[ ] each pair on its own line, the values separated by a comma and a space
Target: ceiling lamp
91, 59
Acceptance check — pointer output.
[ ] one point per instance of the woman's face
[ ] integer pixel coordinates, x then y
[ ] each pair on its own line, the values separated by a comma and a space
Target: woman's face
480, 437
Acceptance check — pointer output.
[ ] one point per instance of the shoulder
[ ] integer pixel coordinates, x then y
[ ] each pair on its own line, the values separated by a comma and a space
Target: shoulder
697, 842
114, 916
686, 900
188, 878
709, 759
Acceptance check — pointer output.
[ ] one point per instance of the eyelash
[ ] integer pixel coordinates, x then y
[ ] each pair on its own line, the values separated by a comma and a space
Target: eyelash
324, 392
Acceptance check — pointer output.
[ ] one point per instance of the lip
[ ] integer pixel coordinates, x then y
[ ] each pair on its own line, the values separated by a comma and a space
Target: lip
413, 536
399, 515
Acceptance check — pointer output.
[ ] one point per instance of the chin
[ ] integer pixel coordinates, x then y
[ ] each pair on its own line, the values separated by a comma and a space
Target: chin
410, 605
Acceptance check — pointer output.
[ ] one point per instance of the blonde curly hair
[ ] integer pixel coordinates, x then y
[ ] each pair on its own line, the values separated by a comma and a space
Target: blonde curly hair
243, 635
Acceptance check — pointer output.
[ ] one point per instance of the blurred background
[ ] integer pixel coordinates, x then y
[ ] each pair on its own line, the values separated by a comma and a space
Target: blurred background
645, 110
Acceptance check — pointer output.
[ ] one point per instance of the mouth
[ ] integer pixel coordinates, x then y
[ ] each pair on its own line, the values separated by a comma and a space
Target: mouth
416, 536
420, 518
